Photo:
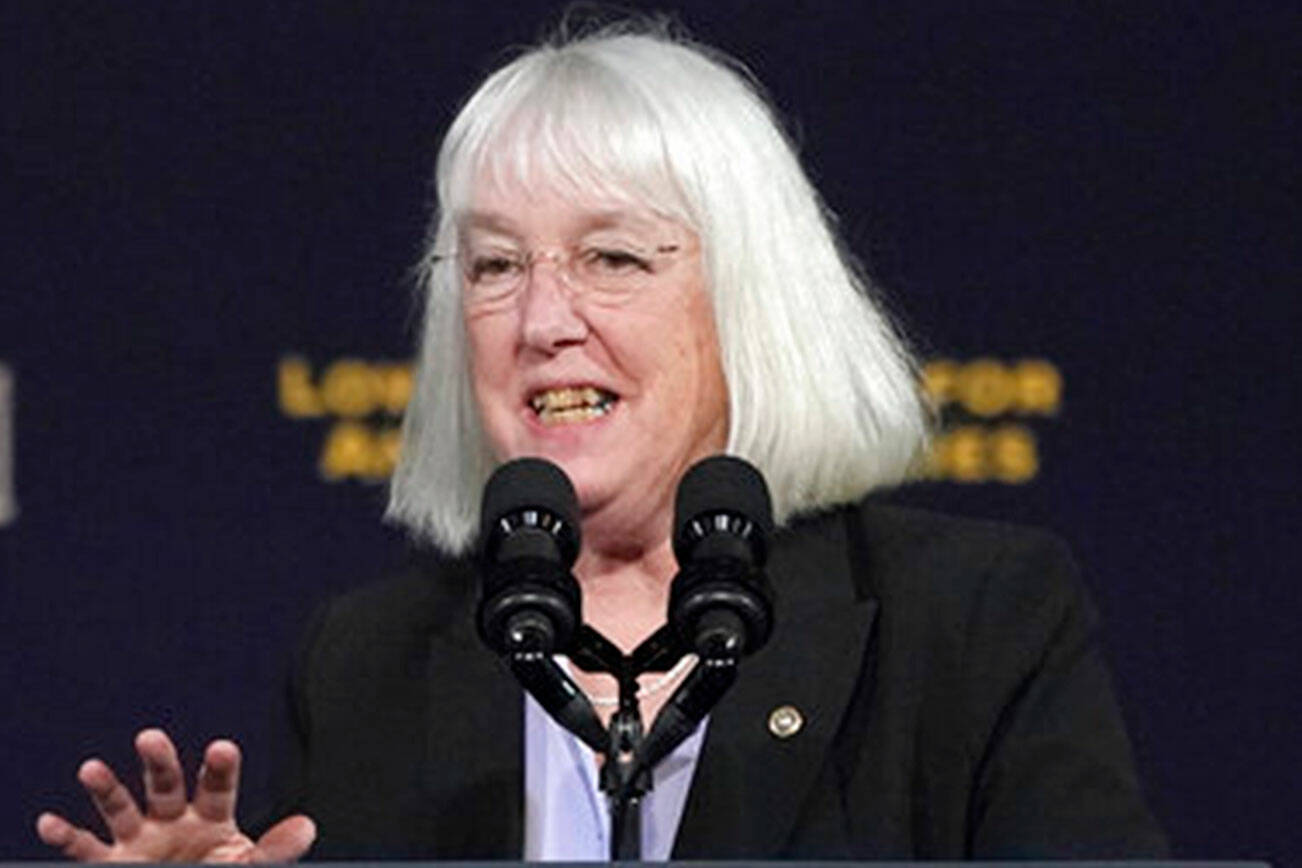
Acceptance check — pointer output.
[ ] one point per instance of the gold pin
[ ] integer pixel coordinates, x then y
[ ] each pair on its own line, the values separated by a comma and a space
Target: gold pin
785, 721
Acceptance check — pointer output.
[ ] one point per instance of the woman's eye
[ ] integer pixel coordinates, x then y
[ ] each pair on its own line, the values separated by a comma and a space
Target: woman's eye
490, 267
615, 260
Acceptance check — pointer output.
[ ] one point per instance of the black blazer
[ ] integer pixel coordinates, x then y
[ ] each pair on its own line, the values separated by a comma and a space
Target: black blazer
954, 703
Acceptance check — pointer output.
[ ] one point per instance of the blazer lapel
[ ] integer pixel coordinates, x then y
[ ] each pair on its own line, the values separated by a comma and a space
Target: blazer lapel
750, 784
474, 729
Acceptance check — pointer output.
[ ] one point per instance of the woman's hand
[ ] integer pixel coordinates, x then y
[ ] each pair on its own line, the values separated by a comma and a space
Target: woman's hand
173, 829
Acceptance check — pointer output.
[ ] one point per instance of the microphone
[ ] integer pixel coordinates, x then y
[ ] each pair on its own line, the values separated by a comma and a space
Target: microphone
529, 532
529, 603
720, 604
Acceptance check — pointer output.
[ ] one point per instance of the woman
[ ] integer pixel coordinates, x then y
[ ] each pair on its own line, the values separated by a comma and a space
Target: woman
628, 272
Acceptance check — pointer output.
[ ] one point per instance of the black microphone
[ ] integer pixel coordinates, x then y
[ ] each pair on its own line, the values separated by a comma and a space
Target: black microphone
720, 603
529, 532
529, 603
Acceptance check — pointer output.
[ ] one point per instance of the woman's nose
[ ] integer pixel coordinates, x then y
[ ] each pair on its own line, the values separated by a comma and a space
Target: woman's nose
550, 318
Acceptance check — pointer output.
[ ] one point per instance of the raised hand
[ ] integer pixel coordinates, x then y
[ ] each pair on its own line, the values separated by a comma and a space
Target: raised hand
172, 828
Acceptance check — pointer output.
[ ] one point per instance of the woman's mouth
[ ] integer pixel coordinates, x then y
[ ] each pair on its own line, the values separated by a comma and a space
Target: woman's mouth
571, 404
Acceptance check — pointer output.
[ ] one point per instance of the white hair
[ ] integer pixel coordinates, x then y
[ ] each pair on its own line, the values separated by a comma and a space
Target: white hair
823, 395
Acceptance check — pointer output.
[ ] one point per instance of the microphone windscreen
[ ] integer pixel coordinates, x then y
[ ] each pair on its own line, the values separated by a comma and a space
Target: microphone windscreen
723, 483
528, 483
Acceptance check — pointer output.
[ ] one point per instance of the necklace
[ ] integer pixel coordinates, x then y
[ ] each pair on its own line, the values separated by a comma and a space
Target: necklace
642, 691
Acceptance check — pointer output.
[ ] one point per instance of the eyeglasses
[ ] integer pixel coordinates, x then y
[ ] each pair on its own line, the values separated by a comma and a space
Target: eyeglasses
608, 273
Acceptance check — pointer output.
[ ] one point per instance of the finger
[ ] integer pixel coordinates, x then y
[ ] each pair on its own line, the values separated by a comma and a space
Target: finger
111, 798
164, 781
76, 843
286, 841
219, 781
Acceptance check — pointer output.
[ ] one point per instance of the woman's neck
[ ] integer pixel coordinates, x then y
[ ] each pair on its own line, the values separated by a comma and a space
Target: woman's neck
626, 592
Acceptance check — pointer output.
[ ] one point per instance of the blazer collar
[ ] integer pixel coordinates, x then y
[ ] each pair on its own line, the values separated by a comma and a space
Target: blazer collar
475, 733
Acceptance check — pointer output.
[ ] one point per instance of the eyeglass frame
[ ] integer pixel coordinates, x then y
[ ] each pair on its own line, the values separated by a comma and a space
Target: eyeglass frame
565, 260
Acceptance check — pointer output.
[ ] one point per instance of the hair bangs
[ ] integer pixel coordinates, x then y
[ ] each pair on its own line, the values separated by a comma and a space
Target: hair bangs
579, 131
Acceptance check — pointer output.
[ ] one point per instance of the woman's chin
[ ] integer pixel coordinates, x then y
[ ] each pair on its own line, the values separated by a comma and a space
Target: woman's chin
593, 481
583, 449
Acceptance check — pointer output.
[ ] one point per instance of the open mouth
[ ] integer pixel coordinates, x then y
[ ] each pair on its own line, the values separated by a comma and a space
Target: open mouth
572, 404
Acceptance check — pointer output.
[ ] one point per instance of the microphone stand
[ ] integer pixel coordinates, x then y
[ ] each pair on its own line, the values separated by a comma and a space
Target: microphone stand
624, 779
629, 755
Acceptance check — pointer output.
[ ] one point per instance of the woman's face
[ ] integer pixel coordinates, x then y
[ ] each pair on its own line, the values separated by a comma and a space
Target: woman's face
592, 344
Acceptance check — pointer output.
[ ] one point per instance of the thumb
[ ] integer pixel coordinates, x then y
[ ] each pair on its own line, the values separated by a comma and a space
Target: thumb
286, 841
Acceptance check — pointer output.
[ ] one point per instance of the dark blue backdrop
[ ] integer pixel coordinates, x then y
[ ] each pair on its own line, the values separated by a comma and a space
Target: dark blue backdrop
194, 191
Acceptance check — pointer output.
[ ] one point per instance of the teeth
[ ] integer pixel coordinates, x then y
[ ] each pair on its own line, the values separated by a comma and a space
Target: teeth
563, 399
574, 414
571, 404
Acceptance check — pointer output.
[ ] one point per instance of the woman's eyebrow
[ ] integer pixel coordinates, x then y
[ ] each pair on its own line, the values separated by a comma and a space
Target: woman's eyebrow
619, 219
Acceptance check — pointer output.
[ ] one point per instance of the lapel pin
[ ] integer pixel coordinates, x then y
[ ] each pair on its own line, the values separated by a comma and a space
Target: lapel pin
785, 721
